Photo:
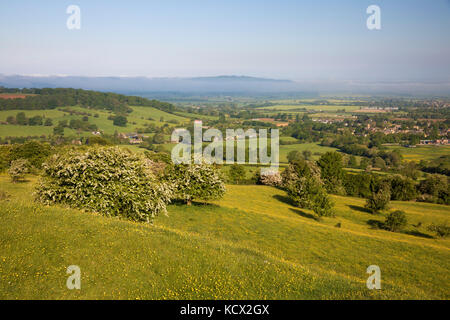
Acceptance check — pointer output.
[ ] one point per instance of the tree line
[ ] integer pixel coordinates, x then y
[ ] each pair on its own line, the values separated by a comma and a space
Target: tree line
48, 98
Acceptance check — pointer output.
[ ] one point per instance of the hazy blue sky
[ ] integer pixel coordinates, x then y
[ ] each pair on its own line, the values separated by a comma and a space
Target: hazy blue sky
298, 40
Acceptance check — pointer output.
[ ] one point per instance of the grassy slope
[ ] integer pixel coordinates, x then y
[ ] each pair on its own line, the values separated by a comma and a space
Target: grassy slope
139, 116
251, 244
313, 147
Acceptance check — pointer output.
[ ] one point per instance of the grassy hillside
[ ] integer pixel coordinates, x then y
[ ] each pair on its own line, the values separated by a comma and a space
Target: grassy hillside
315, 149
138, 118
250, 245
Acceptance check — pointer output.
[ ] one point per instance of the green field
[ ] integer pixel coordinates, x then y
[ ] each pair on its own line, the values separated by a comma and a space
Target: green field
250, 245
421, 152
326, 108
315, 149
138, 118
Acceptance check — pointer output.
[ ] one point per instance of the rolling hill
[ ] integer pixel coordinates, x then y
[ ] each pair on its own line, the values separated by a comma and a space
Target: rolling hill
250, 245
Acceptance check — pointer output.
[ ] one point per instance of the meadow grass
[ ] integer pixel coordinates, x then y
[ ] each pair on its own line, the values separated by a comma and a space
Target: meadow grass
421, 152
136, 119
310, 107
252, 244
315, 148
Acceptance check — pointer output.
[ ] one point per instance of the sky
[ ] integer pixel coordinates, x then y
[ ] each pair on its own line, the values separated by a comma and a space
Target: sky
299, 40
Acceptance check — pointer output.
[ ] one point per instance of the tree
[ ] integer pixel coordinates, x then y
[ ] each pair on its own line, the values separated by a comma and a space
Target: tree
108, 180
332, 172
395, 221
270, 178
304, 187
236, 173
35, 121
98, 140
18, 169
158, 138
358, 185
402, 188
322, 204
195, 181
58, 131
11, 120
364, 163
21, 119
352, 162
379, 197
294, 155
306, 154
120, 121
48, 122
378, 162
435, 188
441, 230
35, 152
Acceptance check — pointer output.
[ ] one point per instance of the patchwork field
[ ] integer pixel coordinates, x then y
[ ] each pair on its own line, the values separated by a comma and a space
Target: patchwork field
315, 149
421, 152
310, 107
250, 245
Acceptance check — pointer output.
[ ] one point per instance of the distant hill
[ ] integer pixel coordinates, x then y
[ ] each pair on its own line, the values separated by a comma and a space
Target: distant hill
142, 84
225, 84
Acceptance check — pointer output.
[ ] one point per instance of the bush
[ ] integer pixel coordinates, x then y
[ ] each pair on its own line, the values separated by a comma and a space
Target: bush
304, 187
98, 140
110, 181
441, 230
236, 173
294, 156
322, 204
379, 197
435, 188
271, 178
403, 189
5, 157
332, 172
18, 169
120, 121
158, 138
395, 221
4, 195
35, 152
195, 181
358, 184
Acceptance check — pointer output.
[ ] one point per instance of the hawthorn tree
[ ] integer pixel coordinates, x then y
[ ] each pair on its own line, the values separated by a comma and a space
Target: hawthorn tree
379, 197
108, 180
304, 187
332, 172
195, 182
396, 221
120, 121
236, 173
18, 169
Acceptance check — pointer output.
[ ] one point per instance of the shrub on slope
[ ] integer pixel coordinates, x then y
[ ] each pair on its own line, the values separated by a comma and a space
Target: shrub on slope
107, 180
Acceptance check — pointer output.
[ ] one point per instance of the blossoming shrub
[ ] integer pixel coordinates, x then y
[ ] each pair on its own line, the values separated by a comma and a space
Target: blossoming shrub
18, 169
195, 181
271, 178
303, 184
107, 180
